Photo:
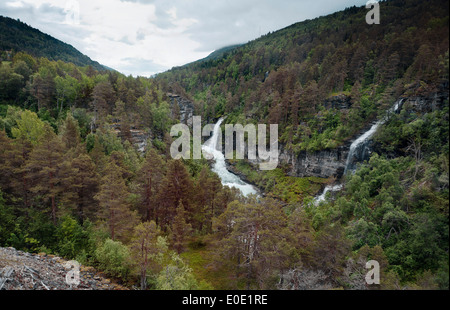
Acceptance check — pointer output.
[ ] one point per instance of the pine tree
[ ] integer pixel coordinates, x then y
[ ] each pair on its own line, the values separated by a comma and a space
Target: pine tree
180, 229
176, 186
330, 249
121, 114
150, 178
43, 169
147, 248
207, 189
80, 182
97, 153
15, 172
114, 207
5, 148
70, 133
43, 88
256, 236
103, 99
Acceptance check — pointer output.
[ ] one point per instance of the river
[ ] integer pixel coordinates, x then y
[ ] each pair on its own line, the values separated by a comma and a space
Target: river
228, 179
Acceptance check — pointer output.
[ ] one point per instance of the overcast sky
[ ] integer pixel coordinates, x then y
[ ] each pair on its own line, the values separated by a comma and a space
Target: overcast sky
144, 37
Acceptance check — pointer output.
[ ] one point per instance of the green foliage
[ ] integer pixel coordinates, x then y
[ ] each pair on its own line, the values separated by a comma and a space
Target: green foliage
413, 234
114, 258
177, 275
29, 127
84, 121
292, 77
276, 183
6, 220
10, 83
321, 81
72, 238
15, 35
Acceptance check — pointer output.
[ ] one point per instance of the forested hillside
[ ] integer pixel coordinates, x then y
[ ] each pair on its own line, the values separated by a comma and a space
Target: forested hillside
76, 182
284, 77
19, 37
325, 81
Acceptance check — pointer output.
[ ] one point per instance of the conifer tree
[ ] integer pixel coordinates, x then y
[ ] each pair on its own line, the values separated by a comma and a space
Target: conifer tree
5, 148
43, 169
80, 183
114, 208
177, 186
180, 229
15, 172
147, 249
256, 236
207, 189
150, 177
70, 133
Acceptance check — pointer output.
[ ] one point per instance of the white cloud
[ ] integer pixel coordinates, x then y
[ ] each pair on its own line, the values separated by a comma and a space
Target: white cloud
15, 4
162, 33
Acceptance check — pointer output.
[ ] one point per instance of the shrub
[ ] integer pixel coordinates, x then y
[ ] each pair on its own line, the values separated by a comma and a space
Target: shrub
113, 258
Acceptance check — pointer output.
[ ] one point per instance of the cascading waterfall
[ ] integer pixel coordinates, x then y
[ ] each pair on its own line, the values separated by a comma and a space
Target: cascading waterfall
359, 147
328, 188
219, 167
359, 150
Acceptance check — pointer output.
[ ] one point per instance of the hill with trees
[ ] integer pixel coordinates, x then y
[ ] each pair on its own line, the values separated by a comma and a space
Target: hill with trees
284, 77
73, 182
20, 37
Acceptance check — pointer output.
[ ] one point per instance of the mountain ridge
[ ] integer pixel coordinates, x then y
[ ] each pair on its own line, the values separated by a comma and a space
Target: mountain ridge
18, 36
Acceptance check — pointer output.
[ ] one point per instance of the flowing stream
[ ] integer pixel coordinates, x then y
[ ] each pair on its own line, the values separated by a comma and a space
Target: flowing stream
359, 151
227, 178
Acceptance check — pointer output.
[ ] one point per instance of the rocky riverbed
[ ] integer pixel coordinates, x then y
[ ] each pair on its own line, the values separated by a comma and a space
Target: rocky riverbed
27, 271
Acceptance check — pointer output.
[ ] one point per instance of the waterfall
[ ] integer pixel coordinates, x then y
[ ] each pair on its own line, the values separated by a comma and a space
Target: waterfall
359, 149
328, 188
219, 167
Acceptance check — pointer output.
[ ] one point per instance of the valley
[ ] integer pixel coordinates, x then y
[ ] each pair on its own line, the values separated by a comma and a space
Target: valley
87, 171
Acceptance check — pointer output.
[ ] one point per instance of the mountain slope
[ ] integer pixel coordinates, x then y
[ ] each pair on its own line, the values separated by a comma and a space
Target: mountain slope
220, 53
286, 77
18, 36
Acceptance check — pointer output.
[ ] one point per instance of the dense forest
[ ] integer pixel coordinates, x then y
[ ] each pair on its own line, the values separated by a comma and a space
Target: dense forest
18, 36
73, 182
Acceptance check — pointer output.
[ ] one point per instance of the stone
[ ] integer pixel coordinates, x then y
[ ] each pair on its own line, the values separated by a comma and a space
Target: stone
185, 106
23, 271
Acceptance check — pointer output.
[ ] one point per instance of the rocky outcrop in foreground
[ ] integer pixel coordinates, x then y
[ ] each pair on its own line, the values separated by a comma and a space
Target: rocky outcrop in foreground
25, 271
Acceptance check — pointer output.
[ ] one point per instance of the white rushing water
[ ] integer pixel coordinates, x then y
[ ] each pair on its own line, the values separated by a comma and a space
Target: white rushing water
365, 137
328, 188
219, 167
355, 147
362, 139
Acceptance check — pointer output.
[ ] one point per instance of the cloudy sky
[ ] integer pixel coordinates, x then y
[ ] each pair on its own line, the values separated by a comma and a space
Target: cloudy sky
144, 37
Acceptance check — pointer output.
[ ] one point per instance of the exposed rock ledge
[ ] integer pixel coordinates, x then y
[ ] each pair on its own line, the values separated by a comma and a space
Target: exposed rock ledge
25, 271
326, 163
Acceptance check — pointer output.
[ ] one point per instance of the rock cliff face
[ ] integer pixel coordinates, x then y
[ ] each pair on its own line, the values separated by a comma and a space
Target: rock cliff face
321, 164
182, 108
424, 104
327, 163
340, 102
137, 137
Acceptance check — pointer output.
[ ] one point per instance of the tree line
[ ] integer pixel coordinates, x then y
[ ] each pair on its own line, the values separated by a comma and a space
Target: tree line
71, 186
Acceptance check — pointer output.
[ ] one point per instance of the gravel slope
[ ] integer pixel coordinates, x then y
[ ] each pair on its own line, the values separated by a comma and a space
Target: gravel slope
26, 271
